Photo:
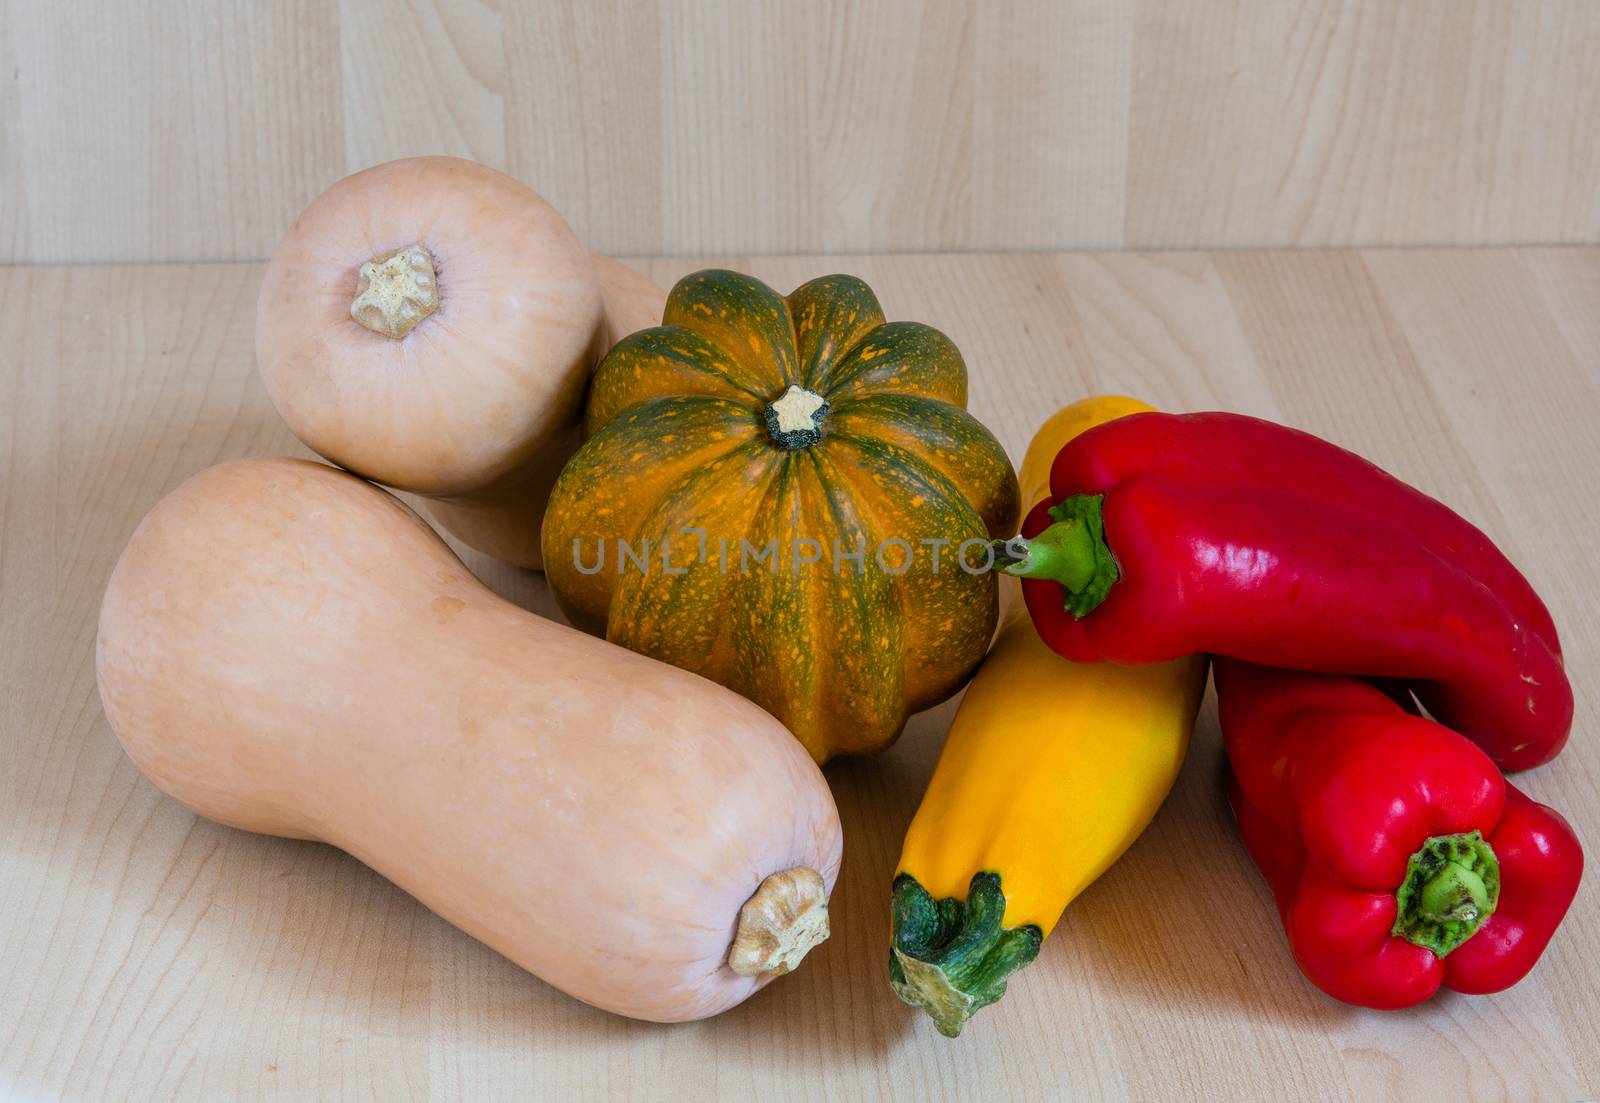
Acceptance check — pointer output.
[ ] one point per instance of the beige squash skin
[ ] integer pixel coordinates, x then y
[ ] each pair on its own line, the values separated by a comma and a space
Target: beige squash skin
475, 405
288, 649
633, 301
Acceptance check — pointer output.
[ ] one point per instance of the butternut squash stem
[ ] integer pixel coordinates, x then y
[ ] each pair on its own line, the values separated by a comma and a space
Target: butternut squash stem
783, 921
1072, 552
952, 957
396, 291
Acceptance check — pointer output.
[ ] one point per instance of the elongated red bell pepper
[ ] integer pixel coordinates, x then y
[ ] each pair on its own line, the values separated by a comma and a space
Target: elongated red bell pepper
1170, 534
1401, 860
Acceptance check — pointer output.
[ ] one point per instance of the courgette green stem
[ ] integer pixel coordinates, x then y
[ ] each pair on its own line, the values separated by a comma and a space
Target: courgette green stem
1072, 552
951, 957
1452, 885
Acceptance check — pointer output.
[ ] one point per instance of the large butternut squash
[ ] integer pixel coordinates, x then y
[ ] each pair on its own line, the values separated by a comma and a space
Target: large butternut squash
288, 649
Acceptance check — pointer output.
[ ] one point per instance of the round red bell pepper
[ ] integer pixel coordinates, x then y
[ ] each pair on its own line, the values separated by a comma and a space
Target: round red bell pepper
1171, 534
1400, 859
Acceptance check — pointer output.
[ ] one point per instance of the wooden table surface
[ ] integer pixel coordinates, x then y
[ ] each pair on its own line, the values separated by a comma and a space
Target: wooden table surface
147, 954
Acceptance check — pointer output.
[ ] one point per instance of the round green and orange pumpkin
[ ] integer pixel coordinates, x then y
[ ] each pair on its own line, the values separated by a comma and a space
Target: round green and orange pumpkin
787, 496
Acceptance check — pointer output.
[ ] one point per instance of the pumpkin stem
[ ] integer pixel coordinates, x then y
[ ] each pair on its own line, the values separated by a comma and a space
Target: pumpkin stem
785, 919
396, 291
794, 419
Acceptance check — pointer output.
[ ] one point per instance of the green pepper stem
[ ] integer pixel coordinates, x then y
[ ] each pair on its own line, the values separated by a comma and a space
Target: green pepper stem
1072, 552
952, 957
1452, 885
1454, 893
1062, 553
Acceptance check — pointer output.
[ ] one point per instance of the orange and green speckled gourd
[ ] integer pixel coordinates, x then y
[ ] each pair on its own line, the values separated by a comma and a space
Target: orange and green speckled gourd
810, 424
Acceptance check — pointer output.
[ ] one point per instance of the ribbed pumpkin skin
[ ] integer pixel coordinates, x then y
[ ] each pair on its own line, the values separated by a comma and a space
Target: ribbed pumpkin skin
678, 440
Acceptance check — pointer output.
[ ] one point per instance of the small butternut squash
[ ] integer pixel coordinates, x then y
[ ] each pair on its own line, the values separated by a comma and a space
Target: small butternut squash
632, 300
430, 324
288, 649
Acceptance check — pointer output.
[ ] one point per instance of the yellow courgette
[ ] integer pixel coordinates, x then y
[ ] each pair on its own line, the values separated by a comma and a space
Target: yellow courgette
1050, 771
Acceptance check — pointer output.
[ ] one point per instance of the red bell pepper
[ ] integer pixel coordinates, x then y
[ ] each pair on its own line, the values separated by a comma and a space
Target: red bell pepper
1401, 860
1170, 534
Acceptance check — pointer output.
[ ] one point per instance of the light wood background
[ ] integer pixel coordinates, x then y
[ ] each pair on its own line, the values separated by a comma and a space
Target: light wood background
148, 130
145, 954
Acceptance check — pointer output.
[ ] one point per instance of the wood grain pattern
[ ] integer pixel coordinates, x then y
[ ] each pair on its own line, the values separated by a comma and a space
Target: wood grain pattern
158, 130
145, 954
